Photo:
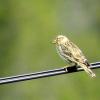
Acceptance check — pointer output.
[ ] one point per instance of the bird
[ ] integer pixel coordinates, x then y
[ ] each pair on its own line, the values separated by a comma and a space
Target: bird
71, 53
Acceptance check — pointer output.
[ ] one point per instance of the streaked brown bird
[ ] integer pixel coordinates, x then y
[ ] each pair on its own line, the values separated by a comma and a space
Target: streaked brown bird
71, 53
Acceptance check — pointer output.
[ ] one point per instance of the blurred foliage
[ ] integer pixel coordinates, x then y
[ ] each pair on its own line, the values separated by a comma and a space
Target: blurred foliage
27, 28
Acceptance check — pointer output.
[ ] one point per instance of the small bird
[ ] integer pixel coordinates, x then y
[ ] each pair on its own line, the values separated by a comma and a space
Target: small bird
72, 54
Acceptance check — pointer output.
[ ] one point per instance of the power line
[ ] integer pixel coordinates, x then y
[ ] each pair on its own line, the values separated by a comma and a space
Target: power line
42, 74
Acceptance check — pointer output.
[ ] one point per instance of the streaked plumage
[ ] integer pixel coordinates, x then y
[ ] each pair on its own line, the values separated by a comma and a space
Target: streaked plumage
70, 52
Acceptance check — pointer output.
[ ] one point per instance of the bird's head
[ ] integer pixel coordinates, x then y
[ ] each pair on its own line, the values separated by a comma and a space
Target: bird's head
60, 39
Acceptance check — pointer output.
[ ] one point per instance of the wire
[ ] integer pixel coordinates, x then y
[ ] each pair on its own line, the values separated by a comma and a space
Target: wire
48, 73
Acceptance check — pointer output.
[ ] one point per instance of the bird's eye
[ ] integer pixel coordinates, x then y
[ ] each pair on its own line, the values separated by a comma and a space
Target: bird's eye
57, 38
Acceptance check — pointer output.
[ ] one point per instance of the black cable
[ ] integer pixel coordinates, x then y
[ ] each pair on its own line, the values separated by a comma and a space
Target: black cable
43, 74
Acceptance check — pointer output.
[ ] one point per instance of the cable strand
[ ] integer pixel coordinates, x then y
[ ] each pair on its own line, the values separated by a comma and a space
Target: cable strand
42, 74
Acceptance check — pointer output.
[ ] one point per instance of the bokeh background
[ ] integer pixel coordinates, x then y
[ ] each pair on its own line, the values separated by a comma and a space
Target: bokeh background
27, 28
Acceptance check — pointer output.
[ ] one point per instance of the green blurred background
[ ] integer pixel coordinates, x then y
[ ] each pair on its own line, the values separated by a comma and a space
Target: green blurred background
27, 28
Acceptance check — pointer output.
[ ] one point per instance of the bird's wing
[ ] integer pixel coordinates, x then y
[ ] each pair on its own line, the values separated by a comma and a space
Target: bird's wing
66, 53
75, 53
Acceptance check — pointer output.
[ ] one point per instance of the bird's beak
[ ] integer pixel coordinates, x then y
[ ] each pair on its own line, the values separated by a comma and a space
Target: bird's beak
54, 41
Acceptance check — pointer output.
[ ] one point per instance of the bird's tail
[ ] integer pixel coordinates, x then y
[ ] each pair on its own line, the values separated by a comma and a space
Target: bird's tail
88, 70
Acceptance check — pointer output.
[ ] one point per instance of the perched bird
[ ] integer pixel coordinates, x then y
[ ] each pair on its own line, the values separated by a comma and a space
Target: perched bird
71, 53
